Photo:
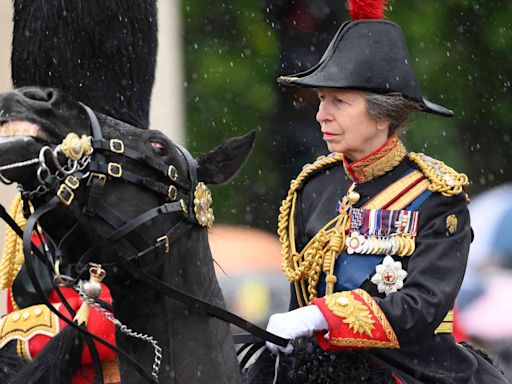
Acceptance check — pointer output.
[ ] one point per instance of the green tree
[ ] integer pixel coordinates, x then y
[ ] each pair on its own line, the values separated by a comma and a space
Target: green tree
462, 53
230, 61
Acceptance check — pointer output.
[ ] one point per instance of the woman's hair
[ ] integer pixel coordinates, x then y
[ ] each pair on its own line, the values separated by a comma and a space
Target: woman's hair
391, 107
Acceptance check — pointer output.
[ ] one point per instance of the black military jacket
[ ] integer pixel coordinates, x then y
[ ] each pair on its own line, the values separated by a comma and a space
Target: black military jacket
434, 274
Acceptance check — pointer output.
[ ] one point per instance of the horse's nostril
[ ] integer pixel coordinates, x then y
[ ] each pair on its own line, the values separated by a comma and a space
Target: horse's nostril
49, 94
38, 94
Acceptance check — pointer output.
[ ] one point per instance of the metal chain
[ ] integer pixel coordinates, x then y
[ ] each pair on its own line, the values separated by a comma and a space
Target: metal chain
124, 329
43, 171
78, 165
39, 191
148, 339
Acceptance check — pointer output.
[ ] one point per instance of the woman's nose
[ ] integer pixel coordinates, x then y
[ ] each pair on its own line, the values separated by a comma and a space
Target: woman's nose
323, 113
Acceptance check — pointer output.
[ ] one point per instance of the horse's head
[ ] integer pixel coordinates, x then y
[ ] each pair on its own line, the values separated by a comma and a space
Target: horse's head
128, 170
31, 118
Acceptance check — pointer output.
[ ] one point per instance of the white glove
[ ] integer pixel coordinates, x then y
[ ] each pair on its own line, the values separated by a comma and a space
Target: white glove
297, 323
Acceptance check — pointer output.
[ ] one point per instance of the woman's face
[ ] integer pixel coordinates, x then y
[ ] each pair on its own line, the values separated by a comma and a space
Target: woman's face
346, 126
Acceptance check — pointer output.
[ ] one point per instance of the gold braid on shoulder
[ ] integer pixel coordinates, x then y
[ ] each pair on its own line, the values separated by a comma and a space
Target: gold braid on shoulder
443, 179
320, 253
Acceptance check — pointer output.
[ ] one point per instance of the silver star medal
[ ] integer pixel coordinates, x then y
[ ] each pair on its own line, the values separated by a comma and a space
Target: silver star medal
389, 276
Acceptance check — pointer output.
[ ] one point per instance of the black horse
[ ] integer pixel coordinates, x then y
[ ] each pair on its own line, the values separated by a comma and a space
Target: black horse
196, 348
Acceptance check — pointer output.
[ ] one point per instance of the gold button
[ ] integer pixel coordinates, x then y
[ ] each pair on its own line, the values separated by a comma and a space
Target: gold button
25, 315
16, 317
353, 197
38, 311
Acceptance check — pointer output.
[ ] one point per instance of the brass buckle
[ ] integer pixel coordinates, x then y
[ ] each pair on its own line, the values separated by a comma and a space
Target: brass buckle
183, 207
172, 192
100, 176
72, 182
115, 169
166, 239
172, 172
65, 195
116, 146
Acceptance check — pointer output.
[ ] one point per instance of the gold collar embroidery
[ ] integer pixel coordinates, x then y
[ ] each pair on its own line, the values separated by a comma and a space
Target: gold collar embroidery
376, 163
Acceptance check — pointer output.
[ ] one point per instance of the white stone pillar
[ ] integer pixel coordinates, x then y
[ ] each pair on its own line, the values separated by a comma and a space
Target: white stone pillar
167, 103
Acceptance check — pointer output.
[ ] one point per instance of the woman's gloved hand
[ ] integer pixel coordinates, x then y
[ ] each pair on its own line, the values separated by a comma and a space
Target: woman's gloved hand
294, 324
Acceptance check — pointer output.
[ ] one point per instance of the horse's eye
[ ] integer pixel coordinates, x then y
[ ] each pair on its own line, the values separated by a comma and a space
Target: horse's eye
159, 148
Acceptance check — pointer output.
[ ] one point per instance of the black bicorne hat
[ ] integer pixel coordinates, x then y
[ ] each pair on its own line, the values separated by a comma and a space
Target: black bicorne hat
368, 55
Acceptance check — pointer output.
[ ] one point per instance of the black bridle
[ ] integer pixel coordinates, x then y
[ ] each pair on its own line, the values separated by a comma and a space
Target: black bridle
180, 192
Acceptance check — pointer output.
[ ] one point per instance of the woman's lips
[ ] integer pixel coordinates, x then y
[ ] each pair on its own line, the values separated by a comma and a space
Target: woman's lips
328, 135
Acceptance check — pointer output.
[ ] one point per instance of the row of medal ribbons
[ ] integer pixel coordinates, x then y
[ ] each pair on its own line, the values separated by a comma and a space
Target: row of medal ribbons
382, 232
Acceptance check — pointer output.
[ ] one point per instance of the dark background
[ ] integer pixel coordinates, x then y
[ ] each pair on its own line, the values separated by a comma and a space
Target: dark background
461, 52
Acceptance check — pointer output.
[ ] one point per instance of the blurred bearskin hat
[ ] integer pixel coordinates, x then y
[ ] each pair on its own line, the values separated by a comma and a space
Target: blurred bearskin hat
102, 53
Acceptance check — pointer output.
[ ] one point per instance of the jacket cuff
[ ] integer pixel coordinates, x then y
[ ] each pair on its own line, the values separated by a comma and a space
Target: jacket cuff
355, 321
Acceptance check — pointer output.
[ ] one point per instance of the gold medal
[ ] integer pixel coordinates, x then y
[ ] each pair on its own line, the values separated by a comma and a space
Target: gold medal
400, 245
394, 246
378, 246
365, 247
387, 246
375, 246
412, 246
405, 247
383, 246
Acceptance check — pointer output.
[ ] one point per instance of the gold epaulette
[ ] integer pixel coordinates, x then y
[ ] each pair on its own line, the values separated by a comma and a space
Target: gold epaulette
24, 324
443, 179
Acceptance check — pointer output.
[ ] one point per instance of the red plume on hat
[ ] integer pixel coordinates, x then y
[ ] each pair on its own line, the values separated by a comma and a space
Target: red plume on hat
366, 9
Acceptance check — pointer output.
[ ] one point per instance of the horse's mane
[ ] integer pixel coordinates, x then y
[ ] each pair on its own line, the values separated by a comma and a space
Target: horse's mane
309, 364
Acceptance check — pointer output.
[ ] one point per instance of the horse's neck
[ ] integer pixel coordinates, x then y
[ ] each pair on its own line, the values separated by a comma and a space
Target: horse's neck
197, 348
142, 311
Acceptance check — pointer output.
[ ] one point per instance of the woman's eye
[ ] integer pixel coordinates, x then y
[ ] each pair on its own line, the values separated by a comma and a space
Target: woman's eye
159, 148
339, 101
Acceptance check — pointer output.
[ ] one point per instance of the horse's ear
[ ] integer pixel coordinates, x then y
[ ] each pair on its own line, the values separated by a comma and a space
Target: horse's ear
221, 164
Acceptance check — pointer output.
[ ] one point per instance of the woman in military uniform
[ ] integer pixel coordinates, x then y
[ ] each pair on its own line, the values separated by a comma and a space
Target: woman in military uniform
375, 238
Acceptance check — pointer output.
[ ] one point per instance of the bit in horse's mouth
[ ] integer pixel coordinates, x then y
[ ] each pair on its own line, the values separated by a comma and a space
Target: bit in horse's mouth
15, 128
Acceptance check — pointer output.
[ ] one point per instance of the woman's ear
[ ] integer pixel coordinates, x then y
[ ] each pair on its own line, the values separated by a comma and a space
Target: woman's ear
383, 124
222, 163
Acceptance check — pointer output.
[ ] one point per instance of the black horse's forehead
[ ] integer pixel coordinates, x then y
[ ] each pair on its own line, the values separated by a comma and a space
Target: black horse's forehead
142, 139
